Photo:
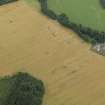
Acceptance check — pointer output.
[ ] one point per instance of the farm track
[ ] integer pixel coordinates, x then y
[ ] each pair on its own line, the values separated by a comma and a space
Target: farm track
30, 42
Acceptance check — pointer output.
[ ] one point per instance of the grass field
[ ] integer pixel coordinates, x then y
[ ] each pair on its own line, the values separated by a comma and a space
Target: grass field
87, 12
30, 42
32, 3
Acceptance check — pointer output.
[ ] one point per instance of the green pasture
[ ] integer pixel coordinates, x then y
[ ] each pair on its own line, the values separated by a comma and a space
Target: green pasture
86, 12
33, 3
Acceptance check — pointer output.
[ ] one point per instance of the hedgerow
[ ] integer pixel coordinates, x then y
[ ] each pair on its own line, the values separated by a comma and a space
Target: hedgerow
86, 33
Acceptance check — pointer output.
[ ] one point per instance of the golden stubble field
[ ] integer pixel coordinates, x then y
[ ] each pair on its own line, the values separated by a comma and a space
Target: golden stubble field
29, 41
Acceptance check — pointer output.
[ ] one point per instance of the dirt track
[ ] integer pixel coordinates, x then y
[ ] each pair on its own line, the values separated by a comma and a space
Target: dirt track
31, 42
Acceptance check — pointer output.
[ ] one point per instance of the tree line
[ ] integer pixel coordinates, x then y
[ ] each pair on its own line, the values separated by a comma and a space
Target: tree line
102, 2
25, 90
86, 33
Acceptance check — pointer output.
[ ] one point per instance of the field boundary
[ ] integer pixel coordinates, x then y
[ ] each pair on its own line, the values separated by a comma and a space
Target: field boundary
86, 33
4, 2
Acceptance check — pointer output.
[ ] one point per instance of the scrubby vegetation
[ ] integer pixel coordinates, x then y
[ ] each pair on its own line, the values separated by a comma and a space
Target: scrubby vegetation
2, 2
86, 33
24, 90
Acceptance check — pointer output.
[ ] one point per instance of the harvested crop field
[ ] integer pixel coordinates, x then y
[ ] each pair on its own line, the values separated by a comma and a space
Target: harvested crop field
29, 41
